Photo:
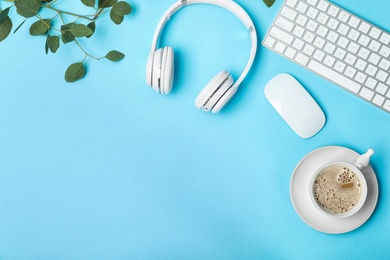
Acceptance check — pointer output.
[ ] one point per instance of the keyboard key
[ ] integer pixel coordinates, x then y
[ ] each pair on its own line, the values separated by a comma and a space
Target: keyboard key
374, 45
322, 18
319, 55
290, 53
279, 47
319, 42
340, 53
302, 7
342, 42
302, 59
384, 64
332, 36
312, 2
361, 64
366, 93
381, 88
333, 23
322, 5
312, 13
298, 31
298, 44
360, 77
364, 27
284, 23
281, 35
301, 20
329, 60
382, 75
353, 34
333, 11
269, 41
374, 58
371, 70
343, 16
387, 105
371, 83
385, 51
289, 13
343, 29
364, 40
350, 59
353, 47
308, 49
322, 31
339, 66
354, 22
334, 76
385, 38
291, 3
312, 25
363, 53
350, 72
329, 48
378, 100
309, 37
374, 33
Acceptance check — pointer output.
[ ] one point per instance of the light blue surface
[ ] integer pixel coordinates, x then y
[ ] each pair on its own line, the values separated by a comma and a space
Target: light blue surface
105, 168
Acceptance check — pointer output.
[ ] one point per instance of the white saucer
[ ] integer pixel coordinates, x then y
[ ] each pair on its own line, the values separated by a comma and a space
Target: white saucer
300, 186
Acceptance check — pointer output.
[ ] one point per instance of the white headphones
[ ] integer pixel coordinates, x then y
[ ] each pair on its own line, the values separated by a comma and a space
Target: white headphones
220, 89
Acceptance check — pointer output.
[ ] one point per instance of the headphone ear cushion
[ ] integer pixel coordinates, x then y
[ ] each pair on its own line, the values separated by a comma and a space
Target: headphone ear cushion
149, 68
167, 70
159, 70
156, 70
210, 96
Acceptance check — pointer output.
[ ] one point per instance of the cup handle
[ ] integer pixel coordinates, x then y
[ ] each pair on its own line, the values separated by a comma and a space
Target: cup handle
364, 159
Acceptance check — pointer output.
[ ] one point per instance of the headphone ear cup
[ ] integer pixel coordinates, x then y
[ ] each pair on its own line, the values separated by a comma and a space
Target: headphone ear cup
149, 69
212, 97
167, 70
159, 70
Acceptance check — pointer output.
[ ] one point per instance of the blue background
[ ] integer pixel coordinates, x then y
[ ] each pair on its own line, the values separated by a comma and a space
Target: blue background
105, 168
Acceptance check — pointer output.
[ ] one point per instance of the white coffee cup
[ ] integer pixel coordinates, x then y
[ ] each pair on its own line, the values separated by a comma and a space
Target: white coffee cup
340, 191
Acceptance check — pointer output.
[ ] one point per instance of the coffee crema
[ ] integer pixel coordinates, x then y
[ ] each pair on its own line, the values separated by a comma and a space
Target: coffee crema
337, 189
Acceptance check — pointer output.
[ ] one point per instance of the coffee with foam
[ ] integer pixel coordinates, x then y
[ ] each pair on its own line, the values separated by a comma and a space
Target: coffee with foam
337, 189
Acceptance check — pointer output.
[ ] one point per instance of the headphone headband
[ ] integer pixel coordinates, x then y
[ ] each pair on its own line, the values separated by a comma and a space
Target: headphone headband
229, 5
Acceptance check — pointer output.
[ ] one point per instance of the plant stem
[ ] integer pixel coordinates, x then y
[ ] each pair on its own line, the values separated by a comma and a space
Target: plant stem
72, 14
85, 52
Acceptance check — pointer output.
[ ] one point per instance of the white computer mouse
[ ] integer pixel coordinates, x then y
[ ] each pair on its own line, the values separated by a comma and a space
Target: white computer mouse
295, 105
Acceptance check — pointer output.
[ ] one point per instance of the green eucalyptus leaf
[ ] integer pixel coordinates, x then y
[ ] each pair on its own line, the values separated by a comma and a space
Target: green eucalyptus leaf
4, 14
40, 27
75, 72
5, 28
80, 30
115, 55
269, 3
27, 8
20, 25
122, 8
90, 3
106, 3
92, 26
53, 43
67, 36
117, 19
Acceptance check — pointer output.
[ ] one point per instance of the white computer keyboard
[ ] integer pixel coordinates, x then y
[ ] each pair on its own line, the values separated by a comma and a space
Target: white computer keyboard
337, 45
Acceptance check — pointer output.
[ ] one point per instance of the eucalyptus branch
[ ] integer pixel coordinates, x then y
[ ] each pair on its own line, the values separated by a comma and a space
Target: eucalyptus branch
69, 13
68, 32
